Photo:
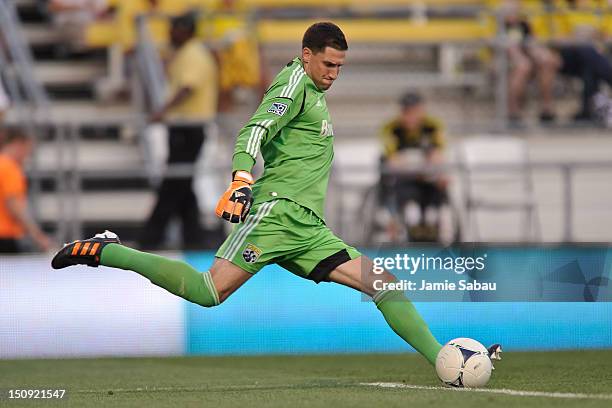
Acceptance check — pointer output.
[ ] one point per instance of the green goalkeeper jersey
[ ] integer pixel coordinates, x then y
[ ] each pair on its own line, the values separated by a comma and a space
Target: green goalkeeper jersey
293, 131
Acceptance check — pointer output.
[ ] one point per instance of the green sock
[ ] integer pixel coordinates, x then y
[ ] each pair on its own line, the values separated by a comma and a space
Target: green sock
176, 277
406, 321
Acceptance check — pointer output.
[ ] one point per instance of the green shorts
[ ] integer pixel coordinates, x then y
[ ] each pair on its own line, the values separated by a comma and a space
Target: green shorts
292, 236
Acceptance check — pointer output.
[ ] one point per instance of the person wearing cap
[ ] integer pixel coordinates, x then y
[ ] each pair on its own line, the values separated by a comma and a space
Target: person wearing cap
412, 140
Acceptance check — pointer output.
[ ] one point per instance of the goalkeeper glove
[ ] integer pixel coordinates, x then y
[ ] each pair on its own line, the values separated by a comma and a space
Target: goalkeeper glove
235, 204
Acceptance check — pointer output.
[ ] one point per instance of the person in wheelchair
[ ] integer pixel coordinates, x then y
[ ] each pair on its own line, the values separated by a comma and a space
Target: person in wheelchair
412, 141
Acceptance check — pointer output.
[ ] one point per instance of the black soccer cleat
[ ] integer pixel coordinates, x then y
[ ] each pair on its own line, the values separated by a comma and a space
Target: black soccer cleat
84, 252
494, 353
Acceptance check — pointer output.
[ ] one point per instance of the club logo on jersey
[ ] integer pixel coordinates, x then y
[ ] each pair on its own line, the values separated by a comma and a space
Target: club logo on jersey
278, 108
251, 253
326, 128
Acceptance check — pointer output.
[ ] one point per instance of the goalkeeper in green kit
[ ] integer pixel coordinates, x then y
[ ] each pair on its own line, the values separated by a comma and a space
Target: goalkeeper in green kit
279, 217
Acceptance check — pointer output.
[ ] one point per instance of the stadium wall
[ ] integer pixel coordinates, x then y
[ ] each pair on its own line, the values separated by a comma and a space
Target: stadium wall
104, 312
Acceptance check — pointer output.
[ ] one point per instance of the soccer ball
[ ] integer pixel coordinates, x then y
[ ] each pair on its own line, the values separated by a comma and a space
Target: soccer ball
465, 363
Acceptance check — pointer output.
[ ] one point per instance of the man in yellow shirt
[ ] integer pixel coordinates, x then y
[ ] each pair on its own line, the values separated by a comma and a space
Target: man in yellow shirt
15, 221
192, 76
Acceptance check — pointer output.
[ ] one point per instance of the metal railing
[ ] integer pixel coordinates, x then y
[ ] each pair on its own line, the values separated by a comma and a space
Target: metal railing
149, 66
28, 97
566, 169
69, 178
151, 87
20, 61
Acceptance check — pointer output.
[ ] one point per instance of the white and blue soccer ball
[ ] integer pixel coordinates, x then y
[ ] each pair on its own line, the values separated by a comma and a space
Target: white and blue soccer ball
464, 362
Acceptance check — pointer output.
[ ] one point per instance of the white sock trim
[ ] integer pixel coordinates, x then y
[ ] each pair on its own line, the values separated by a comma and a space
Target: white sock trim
210, 285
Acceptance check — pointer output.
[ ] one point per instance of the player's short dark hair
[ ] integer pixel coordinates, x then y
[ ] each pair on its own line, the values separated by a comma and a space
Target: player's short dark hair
185, 22
324, 34
11, 134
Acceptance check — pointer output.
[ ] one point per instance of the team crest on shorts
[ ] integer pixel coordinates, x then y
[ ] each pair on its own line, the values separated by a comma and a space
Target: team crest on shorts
251, 253
278, 108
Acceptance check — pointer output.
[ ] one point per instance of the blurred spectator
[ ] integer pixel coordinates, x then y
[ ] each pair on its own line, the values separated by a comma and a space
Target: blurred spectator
4, 103
192, 75
412, 140
15, 222
527, 57
71, 17
574, 58
579, 56
586, 63
231, 30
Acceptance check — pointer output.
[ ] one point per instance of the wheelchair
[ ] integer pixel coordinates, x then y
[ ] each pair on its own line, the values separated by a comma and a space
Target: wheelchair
400, 209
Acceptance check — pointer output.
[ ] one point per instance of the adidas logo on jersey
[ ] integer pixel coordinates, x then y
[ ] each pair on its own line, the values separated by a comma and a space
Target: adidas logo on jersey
327, 128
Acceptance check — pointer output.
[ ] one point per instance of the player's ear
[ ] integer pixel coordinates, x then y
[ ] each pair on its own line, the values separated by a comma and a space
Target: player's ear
306, 54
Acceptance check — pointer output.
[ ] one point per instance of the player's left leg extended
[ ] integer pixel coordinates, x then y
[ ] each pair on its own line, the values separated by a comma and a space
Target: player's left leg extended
398, 311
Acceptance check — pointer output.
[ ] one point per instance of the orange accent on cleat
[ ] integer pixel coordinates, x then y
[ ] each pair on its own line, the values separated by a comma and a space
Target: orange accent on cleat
85, 248
94, 248
75, 249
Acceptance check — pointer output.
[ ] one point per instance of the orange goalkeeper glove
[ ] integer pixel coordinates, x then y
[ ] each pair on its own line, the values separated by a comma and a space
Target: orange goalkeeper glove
235, 204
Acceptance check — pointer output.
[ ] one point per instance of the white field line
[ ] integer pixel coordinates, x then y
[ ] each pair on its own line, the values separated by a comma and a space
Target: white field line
503, 391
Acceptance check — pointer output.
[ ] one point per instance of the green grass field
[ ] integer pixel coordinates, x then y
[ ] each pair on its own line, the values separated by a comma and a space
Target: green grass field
560, 379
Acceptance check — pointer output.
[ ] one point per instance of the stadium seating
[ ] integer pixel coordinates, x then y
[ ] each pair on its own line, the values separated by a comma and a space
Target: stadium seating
370, 30
549, 22
389, 53
121, 30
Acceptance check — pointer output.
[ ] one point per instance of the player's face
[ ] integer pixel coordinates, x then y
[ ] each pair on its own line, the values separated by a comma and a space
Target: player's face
323, 67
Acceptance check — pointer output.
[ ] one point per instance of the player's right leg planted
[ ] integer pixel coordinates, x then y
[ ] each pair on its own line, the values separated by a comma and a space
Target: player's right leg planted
176, 277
